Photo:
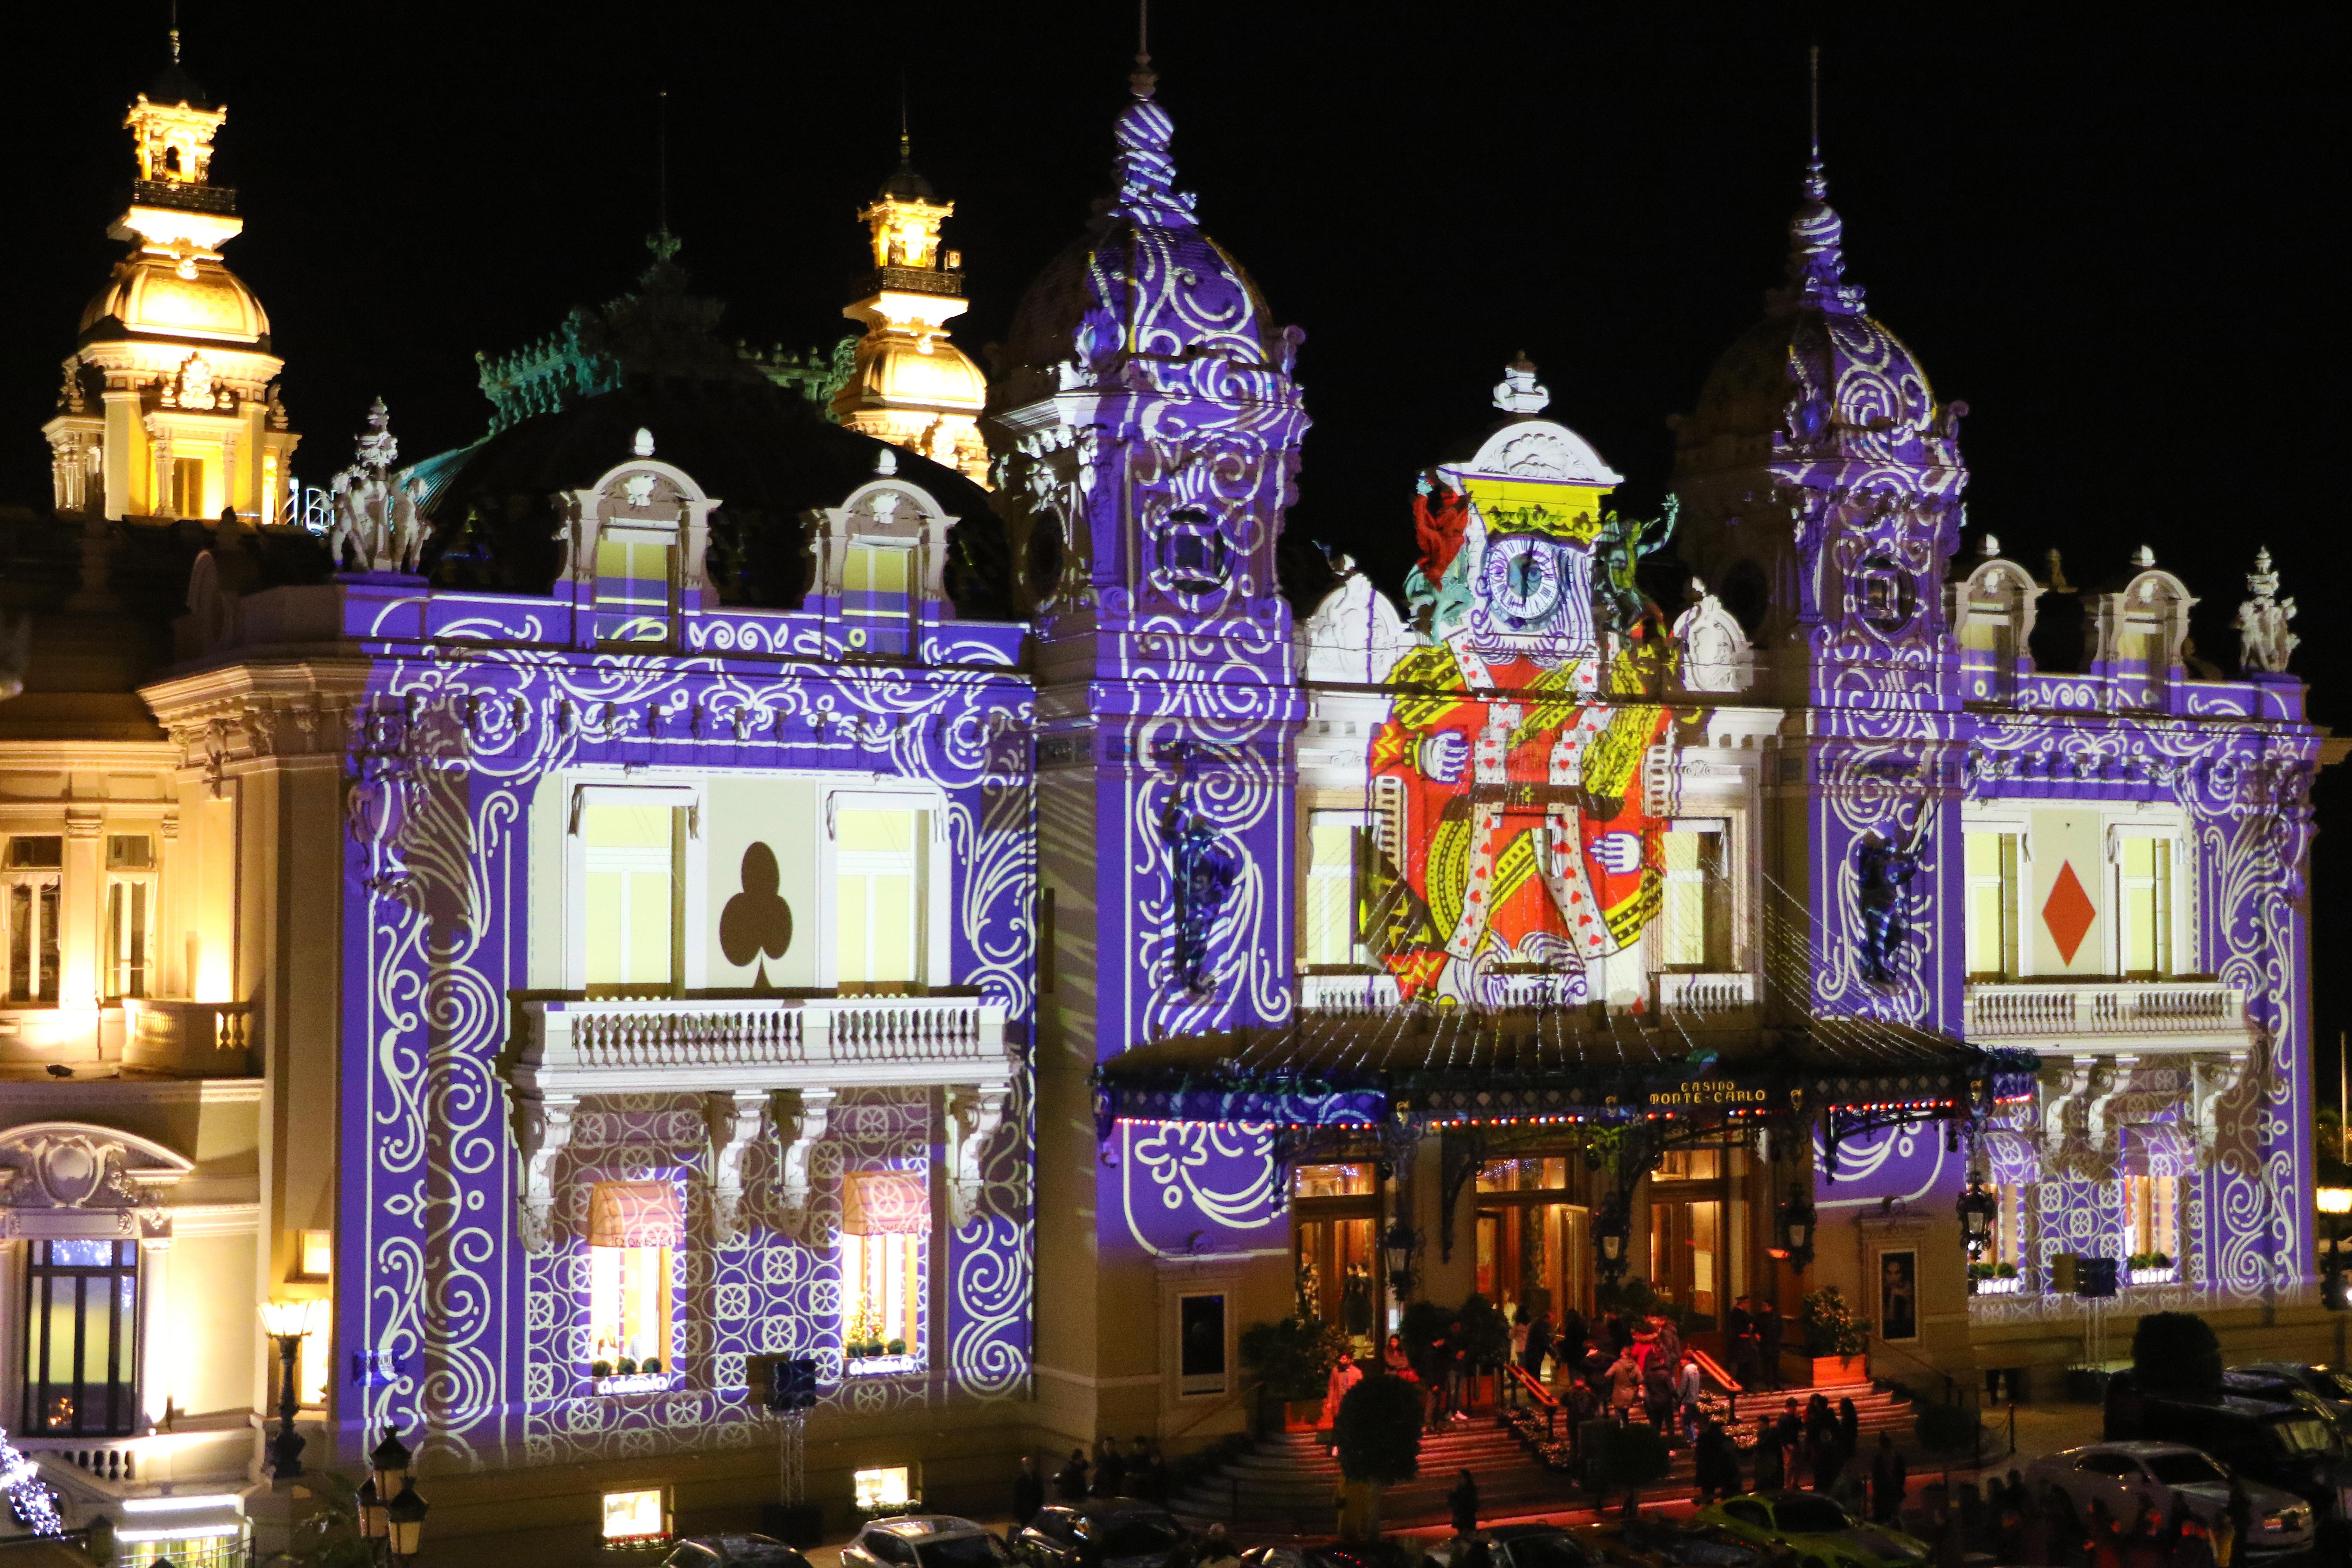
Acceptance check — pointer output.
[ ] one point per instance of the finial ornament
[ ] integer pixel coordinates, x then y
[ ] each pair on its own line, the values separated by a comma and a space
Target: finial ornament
377, 520
1990, 548
643, 446
1519, 392
1142, 78
2264, 642
2143, 558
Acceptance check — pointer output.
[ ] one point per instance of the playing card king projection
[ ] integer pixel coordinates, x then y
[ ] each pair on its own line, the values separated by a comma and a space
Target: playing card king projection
1514, 845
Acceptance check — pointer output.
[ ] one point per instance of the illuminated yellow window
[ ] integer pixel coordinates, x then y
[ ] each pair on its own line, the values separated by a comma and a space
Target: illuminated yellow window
1695, 919
2152, 1210
315, 1256
1336, 849
632, 904
878, 597
885, 1487
187, 486
886, 1224
632, 581
2147, 907
30, 893
877, 903
1992, 861
129, 915
628, 1307
638, 1516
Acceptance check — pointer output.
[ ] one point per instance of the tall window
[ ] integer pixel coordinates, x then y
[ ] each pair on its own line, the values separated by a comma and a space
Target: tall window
633, 1227
1338, 845
187, 486
1694, 921
30, 880
885, 1223
2147, 907
877, 904
129, 915
878, 597
81, 1317
632, 587
2152, 1211
1992, 861
631, 913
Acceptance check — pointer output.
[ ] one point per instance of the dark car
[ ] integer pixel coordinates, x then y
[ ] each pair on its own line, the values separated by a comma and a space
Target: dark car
1107, 1533
2325, 1383
924, 1541
2290, 1444
733, 1551
1330, 1554
1515, 1546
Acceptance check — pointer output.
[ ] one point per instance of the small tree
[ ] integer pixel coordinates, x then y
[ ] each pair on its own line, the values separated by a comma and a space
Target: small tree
1486, 1333
1378, 1434
1630, 1456
2176, 1353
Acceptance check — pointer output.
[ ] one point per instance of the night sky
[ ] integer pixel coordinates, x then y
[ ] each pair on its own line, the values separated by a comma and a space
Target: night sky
2109, 242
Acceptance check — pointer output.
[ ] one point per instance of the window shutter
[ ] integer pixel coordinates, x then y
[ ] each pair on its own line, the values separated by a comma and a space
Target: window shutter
886, 1202
636, 1214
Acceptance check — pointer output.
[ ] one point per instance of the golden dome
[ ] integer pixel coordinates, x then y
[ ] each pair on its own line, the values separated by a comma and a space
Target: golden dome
150, 297
896, 371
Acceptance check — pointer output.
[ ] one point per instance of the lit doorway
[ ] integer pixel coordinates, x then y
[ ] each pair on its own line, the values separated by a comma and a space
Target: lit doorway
1530, 1239
1335, 1229
1686, 1240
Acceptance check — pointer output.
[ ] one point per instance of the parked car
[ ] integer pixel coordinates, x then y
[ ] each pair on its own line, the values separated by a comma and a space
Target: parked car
1811, 1525
2122, 1476
1667, 1543
1113, 1532
733, 1551
1383, 1553
924, 1541
2289, 1445
2325, 1383
1516, 1546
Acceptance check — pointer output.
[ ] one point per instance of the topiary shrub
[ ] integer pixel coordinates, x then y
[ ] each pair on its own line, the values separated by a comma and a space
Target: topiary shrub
1486, 1332
1422, 1325
2175, 1353
1378, 1432
1830, 1326
1292, 1359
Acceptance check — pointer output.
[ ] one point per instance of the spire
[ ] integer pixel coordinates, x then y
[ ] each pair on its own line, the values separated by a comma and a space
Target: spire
1816, 235
1147, 175
1142, 78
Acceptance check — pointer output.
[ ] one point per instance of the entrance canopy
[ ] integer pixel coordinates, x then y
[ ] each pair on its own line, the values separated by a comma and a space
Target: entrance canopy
1456, 1065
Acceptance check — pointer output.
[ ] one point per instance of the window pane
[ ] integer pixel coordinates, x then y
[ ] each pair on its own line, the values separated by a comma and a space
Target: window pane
58, 1336
1984, 854
49, 918
880, 832
852, 945
627, 827
1329, 936
893, 953
1985, 934
20, 941
36, 852
605, 891
130, 852
649, 926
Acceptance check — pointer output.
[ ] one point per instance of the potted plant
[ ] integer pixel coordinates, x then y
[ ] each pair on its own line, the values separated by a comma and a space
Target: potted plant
1293, 1360
1377, 1435
600, 1369
1835, 1338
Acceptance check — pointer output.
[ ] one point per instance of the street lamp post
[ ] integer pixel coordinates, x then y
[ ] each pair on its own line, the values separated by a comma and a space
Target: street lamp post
290, 1323
1797, 1224
391, 1513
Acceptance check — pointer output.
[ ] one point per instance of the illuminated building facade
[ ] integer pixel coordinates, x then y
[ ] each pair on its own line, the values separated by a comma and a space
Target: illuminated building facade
741, 892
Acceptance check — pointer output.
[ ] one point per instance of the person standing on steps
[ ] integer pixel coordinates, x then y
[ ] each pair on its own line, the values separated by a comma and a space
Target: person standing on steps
1767, 1344
1464, 1500
1888, 1478
1028, 1491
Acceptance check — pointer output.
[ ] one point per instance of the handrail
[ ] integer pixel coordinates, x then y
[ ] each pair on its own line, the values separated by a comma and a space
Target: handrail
1714, 1369
1533, 1385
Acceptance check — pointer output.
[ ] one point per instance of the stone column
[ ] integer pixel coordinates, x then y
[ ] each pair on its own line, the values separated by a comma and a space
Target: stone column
158, 1368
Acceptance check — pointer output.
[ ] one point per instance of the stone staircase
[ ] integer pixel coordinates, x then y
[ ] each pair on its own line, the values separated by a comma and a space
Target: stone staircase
1289, 1483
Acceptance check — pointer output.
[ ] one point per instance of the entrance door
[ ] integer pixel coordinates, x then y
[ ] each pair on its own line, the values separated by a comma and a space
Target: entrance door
1687, 1256
1341, 1253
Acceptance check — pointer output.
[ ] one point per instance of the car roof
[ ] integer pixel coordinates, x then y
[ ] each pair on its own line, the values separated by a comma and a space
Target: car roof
925, 1526
1107, 1508
2138, 1447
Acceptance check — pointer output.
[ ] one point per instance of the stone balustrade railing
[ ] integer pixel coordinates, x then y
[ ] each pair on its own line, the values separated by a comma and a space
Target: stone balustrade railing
1999, 1011
1703, 994
688, 1042
189, 1039
1357, 992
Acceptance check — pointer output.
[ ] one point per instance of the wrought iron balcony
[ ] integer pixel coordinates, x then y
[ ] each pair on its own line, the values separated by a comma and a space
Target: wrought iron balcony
189, 1039
2152, 1014
580, 1044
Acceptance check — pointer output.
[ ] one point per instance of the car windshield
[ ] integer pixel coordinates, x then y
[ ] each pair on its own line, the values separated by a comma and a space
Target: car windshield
2303, 1435
1545, 1552
960, 1552
1809, 1516
2184, 1469
1135, 1536
2330, 1383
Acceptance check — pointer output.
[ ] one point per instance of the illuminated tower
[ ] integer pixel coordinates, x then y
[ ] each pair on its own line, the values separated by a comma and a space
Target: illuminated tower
911, 387
169, 407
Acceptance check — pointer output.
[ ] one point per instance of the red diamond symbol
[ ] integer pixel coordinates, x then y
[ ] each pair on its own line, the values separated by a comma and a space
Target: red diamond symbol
2069, 912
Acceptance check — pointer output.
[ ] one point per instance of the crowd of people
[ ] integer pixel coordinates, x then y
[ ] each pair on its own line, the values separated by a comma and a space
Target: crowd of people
1139, 1472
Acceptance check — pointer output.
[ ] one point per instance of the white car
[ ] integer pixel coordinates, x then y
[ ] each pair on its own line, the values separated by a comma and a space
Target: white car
2122, 1476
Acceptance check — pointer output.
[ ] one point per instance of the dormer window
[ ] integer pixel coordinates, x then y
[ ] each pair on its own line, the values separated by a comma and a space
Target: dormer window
878, 599
1194, 557
633, 585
